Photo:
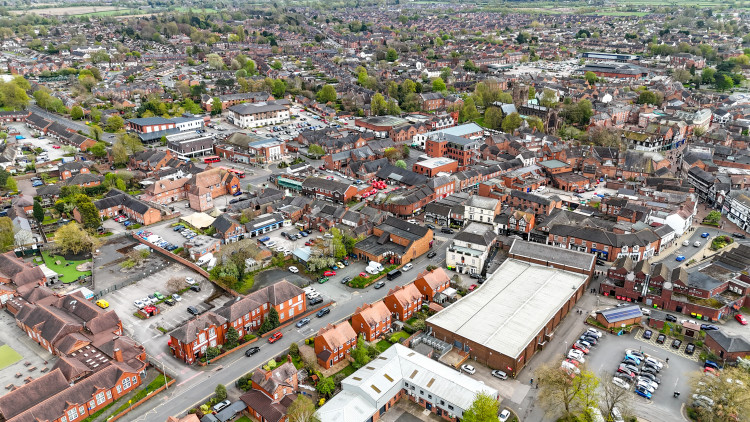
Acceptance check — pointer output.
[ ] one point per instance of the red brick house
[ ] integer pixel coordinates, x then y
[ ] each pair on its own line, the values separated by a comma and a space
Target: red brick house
190, 341
333, 343
726, 346
247, 314
272, 392
403, 301
204, 187
372, 321
431, 101
329, 190
72, 168
117, 202
430, 283
166, 191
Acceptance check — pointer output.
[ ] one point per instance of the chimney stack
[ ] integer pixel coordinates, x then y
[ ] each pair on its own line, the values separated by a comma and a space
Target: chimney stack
118, 354
289, 358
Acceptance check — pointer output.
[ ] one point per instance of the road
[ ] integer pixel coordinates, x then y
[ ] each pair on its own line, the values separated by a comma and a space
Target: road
691, 251
195, 384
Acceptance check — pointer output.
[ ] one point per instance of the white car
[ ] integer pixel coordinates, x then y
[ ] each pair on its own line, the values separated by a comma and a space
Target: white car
697, 244
686, 243
504, 415
407, 267
620, 383
595, 332
646, 311
576, 355
138, 304
644, 386
644, 380
293, 269
313, 295
190, 281
176, 297
654, 362
468, 369
570, 367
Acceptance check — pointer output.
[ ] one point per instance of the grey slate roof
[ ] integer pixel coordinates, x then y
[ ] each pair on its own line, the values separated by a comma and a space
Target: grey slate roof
548, 253
728, 342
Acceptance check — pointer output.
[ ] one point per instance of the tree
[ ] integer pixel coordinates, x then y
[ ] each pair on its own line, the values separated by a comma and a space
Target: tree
96, 132
682, 75
713, 217
605, 137
89, 213
590, 77
215, 106
114, 123
215, 61
483, 409
549, 98
131, 143
378, 106
76, 113
724, 82
38, 211
338, 249
316, 150
232, 338
438, 85
400, 164
294, 350
468, 111
493, 118
71, 238
579, 113
327, 94
119, 153
279, 88
11, 185
211, 353
359, 353
271, 322
326, 386
535, 123
731, 399
302, 409
647, 97
276, 65
511, 122
613, 396
391, 55
558, 391
220, 392
7, 239
707, 75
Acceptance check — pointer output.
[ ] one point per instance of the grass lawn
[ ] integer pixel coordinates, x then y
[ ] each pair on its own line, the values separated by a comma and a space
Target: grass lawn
8, 356
68, 274
243, 419
400, 334
382, 345
347, 371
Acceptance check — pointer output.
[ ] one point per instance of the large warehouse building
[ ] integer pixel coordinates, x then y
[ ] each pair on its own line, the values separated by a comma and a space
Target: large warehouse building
515, 312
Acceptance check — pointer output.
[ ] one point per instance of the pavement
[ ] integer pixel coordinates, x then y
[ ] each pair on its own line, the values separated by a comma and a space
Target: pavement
30, 351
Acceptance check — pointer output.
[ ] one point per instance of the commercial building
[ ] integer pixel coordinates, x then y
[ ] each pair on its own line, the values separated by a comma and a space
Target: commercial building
468, 252
514, 313
395, 241
613, 318
431, 167
398, 373
250, 148
190, 144
330, 190
615, 70
265, 113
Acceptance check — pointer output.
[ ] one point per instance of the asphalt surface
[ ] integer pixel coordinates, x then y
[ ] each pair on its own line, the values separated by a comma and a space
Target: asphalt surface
690, 251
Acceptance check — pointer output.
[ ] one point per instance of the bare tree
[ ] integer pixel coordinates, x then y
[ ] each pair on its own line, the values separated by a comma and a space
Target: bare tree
558, 390
722, 399
175, 284
613, 396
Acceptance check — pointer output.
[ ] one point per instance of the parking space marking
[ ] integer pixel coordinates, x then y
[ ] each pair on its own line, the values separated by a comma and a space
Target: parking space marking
666, 346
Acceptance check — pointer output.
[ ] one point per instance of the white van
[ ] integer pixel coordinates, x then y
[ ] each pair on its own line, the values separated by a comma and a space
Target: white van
375, 265
205, 259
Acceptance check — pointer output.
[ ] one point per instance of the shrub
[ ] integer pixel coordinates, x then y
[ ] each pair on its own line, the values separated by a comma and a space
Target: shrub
294, 350
212, 352
248, 337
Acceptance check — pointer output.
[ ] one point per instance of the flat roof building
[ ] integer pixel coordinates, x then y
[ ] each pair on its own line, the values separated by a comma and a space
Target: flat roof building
512, 315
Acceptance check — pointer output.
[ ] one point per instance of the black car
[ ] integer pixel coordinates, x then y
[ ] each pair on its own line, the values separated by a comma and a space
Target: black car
323, 312
346, 280
625, 376
647, 334
671, 318
379, 284
709, 327
630, 361
170, 302
649, 370
651, 367
431, 254
690, 349
447, 230
316, 300
430, 226
192, 310
676, 344
195, 288
251, 351
738, 235
600, 262
651, 376
588, 339
661, 339
476, 276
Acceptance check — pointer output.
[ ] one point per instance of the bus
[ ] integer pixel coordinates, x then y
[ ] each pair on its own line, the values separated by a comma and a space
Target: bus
238, 173
211, 159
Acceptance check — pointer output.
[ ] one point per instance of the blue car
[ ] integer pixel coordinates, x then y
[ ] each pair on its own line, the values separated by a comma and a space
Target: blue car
704, 235
680, 258
178, 227
633, 358
127, 223
238, 193
264, 239
643, 393
333, 267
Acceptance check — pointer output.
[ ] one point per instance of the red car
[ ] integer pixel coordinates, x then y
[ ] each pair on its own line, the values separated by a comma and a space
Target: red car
56, 146
573, 362
473, 286
329, 273
363, 275
581, 348
277, 335
740, 319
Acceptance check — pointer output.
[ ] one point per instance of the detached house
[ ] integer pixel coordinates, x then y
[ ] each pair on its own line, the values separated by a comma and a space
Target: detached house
228, 228
333, 343
210, 184
372, 321
403, 301
272, 392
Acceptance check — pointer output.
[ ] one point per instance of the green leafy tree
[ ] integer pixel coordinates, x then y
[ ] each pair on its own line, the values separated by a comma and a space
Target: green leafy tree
590, 77
271, 322
212, 352
338, 248
96, 132
38, 211
558, 391
391, 55
724, 82
468, 111
114, 123
438, 85
276, 65
484, 408
730, 398
326, 386
549, 98
707, 75
400, 164
89, 214
511, 122
327, 94
7, 239
99, 150
232, 338
294, 350
76, 113
493, 118
13, 96
713, 217
131, 143
378, 105
215, 106
220, 392
316, 150
302, 409
279, 88
119, 153
71, 238
535, 123
359, 353
647, 97
11, 185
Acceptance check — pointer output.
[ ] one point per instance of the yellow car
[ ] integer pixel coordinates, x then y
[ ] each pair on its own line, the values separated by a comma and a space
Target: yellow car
102, 303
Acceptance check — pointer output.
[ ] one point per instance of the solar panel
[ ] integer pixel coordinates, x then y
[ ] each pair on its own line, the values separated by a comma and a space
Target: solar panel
622, 313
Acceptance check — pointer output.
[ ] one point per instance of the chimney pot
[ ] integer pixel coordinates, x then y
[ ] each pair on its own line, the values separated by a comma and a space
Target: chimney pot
118, 355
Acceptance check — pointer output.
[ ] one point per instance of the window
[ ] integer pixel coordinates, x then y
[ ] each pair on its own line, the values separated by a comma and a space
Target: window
126, 383
442, 402
73, 414
109, 394
100, 398
63, 419
450, 407
81, 410
135, 380
119, 389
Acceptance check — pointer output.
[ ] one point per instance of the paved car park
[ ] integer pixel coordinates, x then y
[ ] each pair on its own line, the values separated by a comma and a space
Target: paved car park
170, 317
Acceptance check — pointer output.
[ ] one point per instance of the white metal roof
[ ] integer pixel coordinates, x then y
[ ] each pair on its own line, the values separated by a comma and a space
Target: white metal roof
511, 307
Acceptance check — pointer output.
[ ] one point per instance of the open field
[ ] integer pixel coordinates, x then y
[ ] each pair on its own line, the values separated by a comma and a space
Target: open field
8, 356
73, 10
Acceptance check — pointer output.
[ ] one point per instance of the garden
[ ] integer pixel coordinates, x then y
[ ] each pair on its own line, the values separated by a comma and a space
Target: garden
721, 241
69, 270
362, 282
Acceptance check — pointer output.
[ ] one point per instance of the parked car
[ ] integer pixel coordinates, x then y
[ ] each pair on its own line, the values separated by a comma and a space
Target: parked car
647, 334
499, 374
504, 415
676, 344
379, 284
468, 369
650, 376
192, 310
102, 303
635, 353
158, 296
195, 288
643, 393
293, 269
661, 339
323, 312
301, 323
581, 347
277, 335
431, 254
653, 362
329, 273
690, 349
218, 407
620, 383
741, 319
709, 327
595, 332
738, 235
315, 300
671, 318
251, 351
170, 302
697, 244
